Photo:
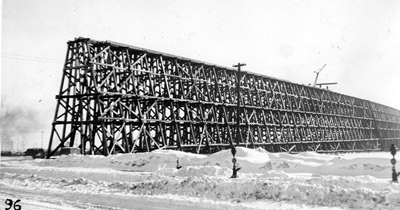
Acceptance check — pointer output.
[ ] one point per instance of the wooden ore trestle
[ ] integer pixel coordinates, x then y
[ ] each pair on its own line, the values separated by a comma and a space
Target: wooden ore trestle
116, 98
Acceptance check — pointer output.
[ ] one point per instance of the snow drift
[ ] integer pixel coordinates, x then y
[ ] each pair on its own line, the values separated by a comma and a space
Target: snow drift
358, 180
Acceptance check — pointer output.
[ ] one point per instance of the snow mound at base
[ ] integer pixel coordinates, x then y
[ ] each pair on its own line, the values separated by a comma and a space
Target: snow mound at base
252, 161
352, 180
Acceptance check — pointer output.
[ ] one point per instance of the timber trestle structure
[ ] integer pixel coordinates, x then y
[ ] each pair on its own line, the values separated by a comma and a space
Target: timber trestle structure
116, 98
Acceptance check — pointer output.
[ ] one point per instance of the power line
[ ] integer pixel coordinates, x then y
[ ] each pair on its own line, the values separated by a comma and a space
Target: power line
28, 56
31, 58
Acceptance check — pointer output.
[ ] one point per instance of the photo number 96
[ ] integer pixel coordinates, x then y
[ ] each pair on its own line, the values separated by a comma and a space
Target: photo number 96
11, 205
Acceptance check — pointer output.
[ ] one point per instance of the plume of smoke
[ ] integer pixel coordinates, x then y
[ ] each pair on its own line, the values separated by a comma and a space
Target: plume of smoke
17, 119
19, 122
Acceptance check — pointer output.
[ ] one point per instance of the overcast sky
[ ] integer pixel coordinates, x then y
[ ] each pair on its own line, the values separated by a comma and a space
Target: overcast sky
288, 39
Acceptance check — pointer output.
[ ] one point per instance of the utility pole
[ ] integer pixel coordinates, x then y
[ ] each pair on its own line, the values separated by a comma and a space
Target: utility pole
238, 136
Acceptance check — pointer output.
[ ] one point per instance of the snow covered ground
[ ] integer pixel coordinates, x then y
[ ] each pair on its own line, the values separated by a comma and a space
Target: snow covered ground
152, 181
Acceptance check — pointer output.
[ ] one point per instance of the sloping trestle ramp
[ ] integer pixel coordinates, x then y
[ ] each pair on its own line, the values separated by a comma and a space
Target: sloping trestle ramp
116, 98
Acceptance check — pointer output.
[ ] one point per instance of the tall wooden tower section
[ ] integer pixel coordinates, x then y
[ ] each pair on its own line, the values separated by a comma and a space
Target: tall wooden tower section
116, 98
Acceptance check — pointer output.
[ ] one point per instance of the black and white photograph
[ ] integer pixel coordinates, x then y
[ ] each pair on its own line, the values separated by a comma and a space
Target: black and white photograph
200, 104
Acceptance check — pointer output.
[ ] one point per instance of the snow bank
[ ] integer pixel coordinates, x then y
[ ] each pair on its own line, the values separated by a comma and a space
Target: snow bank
358, 180
251, 161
